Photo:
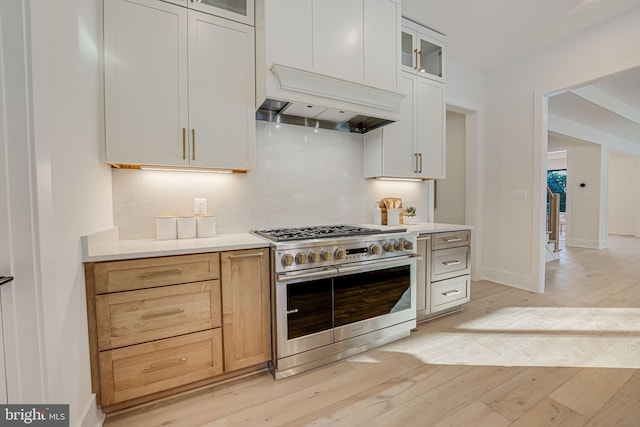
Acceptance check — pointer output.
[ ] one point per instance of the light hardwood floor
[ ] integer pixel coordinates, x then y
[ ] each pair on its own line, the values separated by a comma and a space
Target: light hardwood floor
568, 357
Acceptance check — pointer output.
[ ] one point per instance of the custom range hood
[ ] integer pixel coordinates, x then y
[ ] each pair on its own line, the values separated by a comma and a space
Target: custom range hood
323, 102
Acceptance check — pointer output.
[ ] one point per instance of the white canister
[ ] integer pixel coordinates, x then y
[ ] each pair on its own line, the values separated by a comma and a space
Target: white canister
206, 225
186, 227
166, 227
393, 216
377, 215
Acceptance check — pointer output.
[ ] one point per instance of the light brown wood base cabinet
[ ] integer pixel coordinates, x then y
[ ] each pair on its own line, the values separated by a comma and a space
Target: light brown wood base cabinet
163, 325
246, 319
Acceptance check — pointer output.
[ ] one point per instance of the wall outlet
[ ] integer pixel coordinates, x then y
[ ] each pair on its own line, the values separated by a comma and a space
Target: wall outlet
199, 206
520, 194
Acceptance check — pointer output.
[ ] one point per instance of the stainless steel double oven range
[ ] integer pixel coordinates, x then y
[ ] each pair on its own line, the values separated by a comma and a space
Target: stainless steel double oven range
337, 291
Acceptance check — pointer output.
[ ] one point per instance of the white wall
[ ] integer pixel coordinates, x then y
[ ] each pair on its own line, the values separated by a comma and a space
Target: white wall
515, 157
74, 189
586, 204
624, 195
302, 178
465, 94
450, 194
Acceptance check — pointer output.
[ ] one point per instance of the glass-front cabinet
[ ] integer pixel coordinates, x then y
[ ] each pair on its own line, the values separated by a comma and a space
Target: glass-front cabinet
423, 51
236, 10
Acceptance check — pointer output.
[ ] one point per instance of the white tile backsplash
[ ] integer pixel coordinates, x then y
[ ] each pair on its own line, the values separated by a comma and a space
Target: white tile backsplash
302, 177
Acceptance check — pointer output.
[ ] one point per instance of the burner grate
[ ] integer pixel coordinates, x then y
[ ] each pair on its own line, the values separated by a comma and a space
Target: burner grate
320, 232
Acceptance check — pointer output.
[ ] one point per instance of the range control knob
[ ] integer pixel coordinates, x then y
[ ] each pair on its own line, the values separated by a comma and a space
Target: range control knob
314, 256
301, 258
398, 246
374, 249
341, 253
326, 255
408, 245
287, 260
388, 247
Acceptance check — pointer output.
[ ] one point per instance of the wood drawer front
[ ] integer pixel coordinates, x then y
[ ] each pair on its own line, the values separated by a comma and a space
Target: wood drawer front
134, 317
135, 371
450, 293
447, 263
116, 276
451, 239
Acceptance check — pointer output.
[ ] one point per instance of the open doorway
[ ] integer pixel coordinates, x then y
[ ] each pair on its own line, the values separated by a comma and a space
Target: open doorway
556, 202
450, 193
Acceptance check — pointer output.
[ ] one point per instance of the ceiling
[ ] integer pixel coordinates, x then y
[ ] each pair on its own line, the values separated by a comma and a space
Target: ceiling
515, 29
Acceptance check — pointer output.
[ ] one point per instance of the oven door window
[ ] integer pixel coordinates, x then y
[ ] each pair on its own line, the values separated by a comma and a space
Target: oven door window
370, 294
308, 308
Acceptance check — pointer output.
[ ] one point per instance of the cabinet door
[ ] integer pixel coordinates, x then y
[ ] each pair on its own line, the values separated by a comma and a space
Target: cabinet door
221, 93
431, 58
246, 320
409, 50
145, 82
338, 38
430, 129
397, 152
292, 33
381, 33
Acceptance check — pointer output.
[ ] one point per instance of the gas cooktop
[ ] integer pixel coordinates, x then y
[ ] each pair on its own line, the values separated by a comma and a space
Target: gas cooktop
321, 232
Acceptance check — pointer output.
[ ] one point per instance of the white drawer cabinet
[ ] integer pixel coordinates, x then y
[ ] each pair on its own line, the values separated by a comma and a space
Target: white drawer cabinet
444, 279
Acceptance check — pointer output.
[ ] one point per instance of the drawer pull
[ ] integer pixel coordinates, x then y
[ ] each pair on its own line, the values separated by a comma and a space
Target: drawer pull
257, 254
449, 293
450, 263
453, 239
162, 313
293, 311
159, 273
152, 368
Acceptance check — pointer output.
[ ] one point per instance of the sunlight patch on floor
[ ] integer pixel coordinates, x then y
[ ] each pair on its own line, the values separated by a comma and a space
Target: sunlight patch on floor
534, 336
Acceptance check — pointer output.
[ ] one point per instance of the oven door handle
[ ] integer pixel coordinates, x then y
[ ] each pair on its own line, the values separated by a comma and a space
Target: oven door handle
377, 265
324, 274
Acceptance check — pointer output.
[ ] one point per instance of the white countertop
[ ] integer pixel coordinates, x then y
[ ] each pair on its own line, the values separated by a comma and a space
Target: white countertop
424, 227
105, 246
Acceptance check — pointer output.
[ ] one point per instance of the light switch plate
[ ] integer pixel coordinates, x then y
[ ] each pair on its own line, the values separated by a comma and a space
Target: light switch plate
199, 206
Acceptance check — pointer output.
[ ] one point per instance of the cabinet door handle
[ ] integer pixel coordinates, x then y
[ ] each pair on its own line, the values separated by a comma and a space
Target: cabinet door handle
416, 52
162, 313
415, 162
193, 144
184, 143
151, 368
292, 311
449, 293
450, 263
420, 58
257, 254
420, 158
159, 273
5, 279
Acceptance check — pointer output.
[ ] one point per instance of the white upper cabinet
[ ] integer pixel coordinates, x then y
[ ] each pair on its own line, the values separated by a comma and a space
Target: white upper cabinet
145, 86
339, 54
423, 51
412, 147
179, 87
236, 10
221, 93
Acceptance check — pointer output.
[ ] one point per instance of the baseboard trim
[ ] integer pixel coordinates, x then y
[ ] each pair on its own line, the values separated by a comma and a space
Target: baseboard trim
587, 244
91, 416
508, 278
